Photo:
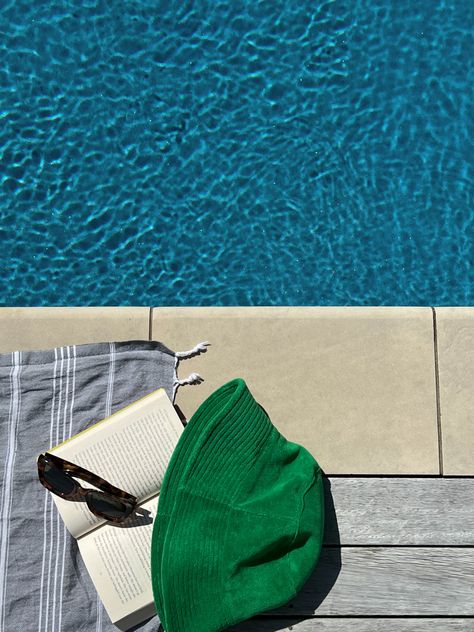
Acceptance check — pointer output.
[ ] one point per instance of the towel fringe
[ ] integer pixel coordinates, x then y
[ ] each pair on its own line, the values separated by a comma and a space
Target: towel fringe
199, 348
193, 378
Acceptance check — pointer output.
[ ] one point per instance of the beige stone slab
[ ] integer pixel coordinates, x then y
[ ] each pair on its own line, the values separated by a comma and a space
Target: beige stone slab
23, 328
355, 385
455, 333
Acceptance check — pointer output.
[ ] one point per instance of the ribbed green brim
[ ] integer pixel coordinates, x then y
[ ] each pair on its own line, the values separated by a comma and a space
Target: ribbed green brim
216, 449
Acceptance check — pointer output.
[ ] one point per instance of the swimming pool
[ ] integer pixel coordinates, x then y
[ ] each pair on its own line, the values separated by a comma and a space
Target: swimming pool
225, 153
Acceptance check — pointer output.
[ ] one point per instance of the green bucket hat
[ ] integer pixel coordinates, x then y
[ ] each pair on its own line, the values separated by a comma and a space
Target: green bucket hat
240, 519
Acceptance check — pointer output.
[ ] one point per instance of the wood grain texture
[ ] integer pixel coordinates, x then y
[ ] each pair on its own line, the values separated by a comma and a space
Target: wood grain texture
273, 624
378, 581
399, 511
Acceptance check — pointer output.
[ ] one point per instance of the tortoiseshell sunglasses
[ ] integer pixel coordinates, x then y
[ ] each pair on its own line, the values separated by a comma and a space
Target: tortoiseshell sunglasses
110, 502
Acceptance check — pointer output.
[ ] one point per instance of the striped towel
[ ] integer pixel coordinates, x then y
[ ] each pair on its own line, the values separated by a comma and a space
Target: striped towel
46, 397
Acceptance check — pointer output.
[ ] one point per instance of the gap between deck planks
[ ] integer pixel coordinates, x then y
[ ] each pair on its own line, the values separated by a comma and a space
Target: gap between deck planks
273, 624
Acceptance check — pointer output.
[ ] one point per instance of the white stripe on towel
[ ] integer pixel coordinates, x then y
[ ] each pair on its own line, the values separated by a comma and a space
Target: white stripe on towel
110, 385
60, 530
66, 434
6, 501
47, 497
53, 511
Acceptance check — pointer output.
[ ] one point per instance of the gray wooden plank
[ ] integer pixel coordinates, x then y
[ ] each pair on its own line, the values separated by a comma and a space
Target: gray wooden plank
399, 511
273, 624
378, 581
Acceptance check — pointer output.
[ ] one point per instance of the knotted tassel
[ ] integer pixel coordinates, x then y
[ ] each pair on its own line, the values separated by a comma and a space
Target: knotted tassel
193, 378
199, 348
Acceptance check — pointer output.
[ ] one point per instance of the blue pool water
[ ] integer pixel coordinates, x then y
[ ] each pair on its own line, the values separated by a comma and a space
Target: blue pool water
242, 152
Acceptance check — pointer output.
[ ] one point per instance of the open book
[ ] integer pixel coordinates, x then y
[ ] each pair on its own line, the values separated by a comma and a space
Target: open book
130, 449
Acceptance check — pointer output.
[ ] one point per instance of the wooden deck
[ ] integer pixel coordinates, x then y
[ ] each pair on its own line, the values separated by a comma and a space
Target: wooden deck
398, 555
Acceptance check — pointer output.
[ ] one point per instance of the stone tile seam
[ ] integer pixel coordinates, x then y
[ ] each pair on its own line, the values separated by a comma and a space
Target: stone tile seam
437, 390
150, 324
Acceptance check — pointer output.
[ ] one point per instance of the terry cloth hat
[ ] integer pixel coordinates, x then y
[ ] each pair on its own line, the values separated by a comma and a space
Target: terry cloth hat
240, 519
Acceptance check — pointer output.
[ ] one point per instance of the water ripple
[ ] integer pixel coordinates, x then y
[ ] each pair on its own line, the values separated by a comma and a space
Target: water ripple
236, 153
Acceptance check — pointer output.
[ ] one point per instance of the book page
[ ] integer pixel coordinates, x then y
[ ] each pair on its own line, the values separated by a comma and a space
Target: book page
118, 561
131, 450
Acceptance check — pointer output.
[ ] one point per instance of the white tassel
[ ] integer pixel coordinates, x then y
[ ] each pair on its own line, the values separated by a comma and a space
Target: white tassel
193, 378
199, 348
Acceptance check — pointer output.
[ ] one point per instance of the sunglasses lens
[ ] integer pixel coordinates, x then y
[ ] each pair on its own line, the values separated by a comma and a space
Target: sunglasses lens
106, 505
58, 480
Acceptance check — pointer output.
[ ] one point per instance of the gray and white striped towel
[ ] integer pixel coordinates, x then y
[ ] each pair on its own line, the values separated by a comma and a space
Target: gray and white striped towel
46, 397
